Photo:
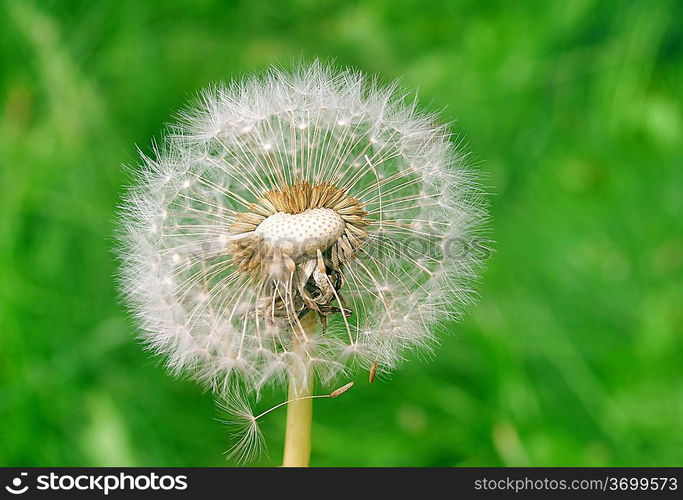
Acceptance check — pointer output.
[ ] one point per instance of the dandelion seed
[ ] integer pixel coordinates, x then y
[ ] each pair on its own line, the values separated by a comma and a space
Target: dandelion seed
338, 392
292, 205
247, 436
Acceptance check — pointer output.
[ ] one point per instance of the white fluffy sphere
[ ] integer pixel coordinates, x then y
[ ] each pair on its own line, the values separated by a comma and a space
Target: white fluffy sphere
368, 195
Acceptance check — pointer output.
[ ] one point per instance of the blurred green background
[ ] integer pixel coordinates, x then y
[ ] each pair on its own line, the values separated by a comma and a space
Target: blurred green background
574, 113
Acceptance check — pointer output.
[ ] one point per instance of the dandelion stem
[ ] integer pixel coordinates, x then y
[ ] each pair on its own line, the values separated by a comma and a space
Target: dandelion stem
300, 410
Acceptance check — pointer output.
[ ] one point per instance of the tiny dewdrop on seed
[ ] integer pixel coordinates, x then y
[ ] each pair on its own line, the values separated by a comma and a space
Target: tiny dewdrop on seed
293, 227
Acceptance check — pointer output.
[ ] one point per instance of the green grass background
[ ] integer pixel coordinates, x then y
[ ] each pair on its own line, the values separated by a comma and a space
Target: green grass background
573, 111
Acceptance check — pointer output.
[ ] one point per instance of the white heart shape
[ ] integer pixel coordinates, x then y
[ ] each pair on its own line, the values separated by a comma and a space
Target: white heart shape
304, 233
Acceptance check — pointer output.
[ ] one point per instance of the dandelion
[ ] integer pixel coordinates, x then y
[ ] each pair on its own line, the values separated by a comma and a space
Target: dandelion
293, 227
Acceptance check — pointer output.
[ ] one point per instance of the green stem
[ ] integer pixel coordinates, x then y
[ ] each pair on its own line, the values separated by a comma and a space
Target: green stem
300, 410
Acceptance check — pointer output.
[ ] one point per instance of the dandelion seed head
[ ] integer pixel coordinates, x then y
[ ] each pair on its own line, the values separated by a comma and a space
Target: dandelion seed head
314, 191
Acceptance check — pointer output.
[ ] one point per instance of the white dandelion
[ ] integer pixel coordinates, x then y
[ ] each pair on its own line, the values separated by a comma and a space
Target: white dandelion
295, 226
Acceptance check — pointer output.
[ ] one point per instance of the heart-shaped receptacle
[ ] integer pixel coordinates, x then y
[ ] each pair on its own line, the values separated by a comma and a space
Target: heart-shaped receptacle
303, 233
